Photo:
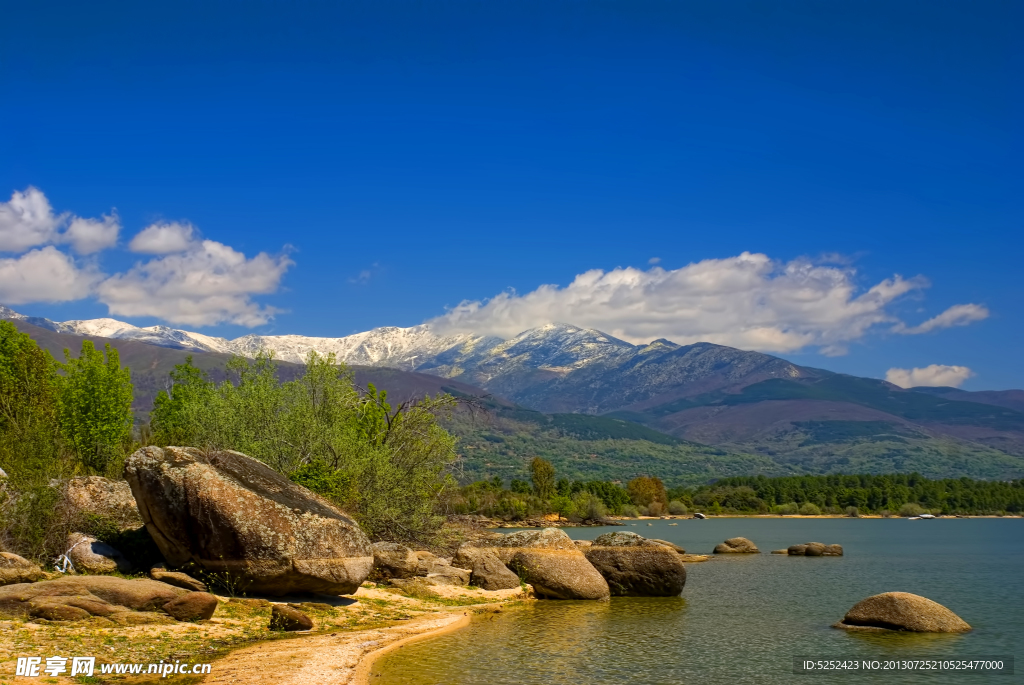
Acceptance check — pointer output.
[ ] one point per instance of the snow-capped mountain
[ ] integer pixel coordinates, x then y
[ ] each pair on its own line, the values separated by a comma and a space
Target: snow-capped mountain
555, 367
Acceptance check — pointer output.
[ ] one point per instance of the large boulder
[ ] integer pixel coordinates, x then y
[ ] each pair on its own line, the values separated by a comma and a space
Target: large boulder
78, 597
549, 561
108, 501
902, 611
637, 567
15, 569
487, 570
392, 560
192, 606
230, 514
737, 546
92, 556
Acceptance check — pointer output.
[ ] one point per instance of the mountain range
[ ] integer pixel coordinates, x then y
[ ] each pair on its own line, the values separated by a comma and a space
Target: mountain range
801, 418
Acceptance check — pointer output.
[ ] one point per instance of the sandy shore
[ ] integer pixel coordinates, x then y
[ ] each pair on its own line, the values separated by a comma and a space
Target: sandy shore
343, 657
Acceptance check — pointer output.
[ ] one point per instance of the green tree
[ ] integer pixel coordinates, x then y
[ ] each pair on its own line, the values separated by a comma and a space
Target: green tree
95, 408
543, 475
645, 490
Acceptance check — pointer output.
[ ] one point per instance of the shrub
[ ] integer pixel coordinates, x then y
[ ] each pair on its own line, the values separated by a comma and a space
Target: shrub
787, 509
911, 509
589, 507
630, 511
852, 512
656, 509
809, 509
676, 508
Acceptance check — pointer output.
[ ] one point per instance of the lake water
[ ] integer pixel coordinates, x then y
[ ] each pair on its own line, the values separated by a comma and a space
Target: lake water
743, 618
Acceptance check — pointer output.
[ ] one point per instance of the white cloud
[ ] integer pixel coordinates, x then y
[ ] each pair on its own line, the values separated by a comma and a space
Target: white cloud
92, 235
957, 315
166, 238
748, 301
27, 220
935, 375
43, 275
654, 260
210, 283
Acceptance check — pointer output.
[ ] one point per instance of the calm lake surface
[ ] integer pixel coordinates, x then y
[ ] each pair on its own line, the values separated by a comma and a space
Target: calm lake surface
742, 618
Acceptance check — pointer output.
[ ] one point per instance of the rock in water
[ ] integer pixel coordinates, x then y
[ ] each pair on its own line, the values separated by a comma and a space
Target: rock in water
902, 611
287, 618
637, 567
15, 569
549, 561
194, 606
111, 501
176, 578
90, 555
737, 546
391, 560
230, 514
814, 549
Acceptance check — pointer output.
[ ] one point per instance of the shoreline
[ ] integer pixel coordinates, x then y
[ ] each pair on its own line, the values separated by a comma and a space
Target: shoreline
361, 673
346, 657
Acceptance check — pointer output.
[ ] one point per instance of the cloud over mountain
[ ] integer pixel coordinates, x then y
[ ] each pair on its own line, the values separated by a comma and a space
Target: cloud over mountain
935, 375
749, 301
188, 281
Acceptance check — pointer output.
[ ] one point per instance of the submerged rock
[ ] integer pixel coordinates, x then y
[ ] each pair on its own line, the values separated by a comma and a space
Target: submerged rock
15, 569
902, 611
737, 546
230, 514
634, 566
814, 549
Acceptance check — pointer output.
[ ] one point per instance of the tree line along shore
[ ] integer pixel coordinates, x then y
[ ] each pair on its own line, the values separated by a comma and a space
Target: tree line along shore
391, 466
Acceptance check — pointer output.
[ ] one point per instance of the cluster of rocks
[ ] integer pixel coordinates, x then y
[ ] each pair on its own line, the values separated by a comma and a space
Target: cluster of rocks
227, 514
619, 564
812, 549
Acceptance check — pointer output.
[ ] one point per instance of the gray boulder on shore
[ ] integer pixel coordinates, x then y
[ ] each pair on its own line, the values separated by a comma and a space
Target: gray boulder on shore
92, 556
229, 514
488, 571
634, 566
15, 569
392, 560
549, 561
109, 599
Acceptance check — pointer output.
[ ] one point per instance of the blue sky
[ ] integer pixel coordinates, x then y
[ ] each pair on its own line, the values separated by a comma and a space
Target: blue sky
393, 160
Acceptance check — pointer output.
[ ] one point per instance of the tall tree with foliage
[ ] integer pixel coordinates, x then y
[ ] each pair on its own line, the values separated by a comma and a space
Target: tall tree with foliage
645, 490
386, 465
542, 472
96, 407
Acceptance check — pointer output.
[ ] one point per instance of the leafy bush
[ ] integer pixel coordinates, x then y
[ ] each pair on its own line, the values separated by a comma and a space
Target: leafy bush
911, 509
852, 512
629, 511
809, 509
677, 508
588, 507
656, 509
387, 466
787, 509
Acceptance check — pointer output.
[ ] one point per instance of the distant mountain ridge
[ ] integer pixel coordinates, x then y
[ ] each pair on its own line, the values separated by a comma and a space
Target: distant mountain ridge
801, 418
